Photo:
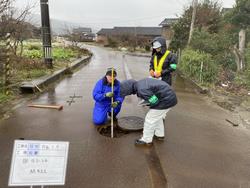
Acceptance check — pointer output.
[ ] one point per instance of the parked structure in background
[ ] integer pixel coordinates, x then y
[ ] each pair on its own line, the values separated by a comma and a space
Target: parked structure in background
136, 36
167, 31
83, 34
103, 34
82, 30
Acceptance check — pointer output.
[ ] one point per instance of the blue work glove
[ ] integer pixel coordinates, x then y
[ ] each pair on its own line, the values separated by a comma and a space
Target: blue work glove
109, 94
115, 104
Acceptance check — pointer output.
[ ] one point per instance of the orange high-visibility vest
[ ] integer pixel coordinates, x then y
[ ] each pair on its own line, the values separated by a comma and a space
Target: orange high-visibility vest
158, 66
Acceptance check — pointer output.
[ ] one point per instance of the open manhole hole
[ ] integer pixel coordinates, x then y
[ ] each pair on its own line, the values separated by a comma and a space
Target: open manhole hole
123, 126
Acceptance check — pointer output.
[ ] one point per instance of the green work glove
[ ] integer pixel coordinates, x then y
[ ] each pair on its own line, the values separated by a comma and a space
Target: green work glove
153, 99
115, 104
173, 66
109, 94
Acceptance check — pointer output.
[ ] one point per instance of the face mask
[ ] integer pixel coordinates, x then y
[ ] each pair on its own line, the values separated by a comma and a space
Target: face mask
158, 53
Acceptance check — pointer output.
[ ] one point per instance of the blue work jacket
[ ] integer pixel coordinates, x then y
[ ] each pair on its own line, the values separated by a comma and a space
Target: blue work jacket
102, 87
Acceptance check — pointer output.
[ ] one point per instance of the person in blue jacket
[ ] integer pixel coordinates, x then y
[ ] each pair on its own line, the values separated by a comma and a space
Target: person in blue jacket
102, 95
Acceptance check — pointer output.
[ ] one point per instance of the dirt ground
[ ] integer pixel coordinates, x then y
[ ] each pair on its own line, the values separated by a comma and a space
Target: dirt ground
235, 101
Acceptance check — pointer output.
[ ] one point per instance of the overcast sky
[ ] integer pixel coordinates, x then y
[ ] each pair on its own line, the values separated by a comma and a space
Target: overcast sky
109, 13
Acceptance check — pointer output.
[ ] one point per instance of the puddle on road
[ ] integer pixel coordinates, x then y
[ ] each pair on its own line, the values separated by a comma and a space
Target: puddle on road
126, 125
157, 174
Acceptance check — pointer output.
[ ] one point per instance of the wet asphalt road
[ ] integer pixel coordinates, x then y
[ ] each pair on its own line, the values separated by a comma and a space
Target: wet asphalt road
201, 149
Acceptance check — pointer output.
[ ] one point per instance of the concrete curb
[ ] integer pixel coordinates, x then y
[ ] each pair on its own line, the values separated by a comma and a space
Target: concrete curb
198, 88
34, 85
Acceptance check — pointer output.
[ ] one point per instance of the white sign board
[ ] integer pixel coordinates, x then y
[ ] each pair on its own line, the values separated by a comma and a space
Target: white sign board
38, 163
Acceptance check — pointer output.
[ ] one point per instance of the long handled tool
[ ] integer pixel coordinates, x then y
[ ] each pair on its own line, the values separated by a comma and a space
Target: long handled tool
58, 107
112, 100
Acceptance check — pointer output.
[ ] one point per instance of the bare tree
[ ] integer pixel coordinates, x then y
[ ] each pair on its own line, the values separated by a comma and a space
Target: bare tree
240, 16
4, 4
239, 53
19, 29
12, 21
195, 3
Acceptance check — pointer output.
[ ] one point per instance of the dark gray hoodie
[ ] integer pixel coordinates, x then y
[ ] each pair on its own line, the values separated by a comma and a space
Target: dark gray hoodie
148, 87
162, 41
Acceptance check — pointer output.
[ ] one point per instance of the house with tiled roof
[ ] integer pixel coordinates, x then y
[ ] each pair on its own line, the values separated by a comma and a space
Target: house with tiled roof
84, 34
168, 22
167, 30
138, 33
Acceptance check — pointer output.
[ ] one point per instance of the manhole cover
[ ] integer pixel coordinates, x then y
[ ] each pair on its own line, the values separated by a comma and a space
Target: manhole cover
131, 123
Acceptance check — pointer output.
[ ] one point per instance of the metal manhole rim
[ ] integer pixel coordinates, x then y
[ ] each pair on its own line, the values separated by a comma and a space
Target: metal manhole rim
124, 123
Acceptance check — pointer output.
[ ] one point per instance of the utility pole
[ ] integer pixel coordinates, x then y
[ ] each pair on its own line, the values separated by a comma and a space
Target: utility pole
195, 4
46, 34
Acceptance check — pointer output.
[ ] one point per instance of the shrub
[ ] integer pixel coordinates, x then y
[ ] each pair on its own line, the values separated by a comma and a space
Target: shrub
243, 79
34, 47
112, 42
218, 45
247, 71
248, 56
61, 53
33, 54
147, 48
204, 41
31, 74
191, 62
57, 53
3, 97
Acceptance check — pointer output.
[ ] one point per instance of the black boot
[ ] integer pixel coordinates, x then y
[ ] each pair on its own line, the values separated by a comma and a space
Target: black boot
160, 138
139, 142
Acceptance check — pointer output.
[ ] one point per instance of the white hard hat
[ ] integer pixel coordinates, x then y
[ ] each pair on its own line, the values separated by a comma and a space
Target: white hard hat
156, 44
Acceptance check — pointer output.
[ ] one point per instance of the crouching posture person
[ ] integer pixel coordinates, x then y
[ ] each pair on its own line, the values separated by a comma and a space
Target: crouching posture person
102, 95
159, 97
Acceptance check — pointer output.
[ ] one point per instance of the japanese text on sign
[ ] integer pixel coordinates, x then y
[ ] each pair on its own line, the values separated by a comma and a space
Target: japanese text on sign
38, 163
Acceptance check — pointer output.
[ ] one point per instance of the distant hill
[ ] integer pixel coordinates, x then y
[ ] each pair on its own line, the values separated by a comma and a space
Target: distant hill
58, 27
